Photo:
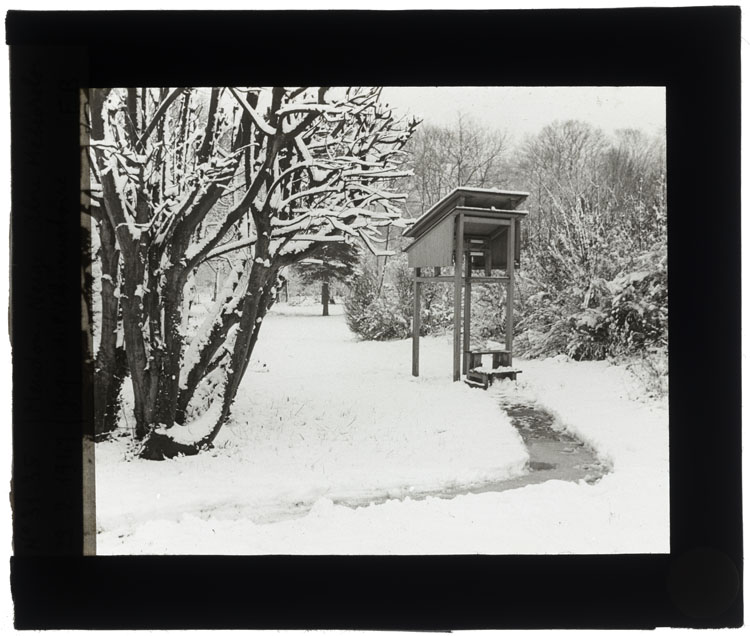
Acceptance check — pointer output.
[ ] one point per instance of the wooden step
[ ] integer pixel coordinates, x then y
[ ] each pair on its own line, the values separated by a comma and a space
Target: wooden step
487, 351
483, 378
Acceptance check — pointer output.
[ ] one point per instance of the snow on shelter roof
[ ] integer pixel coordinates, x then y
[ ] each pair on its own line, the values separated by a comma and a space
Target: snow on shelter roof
473, 198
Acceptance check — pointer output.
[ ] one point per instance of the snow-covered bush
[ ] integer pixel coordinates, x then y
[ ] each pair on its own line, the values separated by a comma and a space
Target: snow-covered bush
487, 313
380, 309
362, 294
637, 317
625, 316
589, 337
380, 302
651, 369
437, 308
386, 320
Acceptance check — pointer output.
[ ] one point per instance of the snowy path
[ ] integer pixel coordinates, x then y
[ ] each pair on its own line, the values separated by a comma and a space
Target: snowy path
554, 454
330, 419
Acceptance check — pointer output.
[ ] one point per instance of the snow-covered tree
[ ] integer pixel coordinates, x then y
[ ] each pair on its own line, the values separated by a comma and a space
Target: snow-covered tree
595, 242
594, 201
334, 262
182, 176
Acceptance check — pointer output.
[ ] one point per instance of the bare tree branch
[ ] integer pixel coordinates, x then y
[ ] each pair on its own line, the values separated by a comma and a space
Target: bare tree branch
257, 119
160, 111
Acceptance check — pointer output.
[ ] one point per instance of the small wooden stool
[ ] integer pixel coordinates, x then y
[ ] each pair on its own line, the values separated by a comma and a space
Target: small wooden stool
501, 360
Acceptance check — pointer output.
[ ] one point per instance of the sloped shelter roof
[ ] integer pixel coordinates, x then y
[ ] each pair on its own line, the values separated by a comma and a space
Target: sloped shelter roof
482, 199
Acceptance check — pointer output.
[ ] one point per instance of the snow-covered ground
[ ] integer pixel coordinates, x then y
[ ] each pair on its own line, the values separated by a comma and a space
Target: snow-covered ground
323, 418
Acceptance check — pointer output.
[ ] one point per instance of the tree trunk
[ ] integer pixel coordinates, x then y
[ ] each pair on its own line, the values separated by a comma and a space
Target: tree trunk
138, 359
209, 355
110, 365
169, 349
326, 297
255, 307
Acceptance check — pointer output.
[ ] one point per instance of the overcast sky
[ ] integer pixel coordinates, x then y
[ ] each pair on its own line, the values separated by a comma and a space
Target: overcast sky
526, 109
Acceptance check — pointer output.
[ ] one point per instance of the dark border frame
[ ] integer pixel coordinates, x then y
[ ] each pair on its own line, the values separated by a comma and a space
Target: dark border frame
694, 52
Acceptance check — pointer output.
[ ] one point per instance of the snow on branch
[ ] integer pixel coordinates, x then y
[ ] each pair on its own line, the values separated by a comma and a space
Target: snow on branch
227, 302
230, 247
382, 173
160, 112
318, 238
381, 195
311, 192
370, 245
257, 119
288, 109
307, 156
308, 163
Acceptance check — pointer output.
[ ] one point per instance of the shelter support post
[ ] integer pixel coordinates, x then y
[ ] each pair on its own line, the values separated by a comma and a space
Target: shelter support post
457, 283
511, 269
467, 313
416, 323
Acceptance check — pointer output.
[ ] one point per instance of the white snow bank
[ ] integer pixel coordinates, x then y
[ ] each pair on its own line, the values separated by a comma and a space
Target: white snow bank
197, 429
329, 417
219, 505
488, 368
307, 308
556, 517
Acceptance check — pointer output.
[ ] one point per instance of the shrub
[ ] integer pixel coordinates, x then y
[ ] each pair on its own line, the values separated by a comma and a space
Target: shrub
638, 314
591, 319
362, 293
589, 338
437, 308
385, 320
376, 312
651, 370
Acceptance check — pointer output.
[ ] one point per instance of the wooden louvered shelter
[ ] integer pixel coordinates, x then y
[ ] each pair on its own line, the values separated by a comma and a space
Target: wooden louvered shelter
477, 233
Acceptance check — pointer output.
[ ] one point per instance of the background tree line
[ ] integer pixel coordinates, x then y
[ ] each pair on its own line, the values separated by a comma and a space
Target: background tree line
593, 281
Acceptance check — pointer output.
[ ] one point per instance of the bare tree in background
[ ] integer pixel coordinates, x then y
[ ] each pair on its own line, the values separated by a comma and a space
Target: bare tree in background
444, 158
592, 198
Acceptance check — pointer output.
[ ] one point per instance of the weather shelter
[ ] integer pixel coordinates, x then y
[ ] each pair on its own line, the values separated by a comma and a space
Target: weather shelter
477, 233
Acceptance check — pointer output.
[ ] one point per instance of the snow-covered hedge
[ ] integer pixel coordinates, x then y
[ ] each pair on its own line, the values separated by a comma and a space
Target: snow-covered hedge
378, 309
380, 303
604, 318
